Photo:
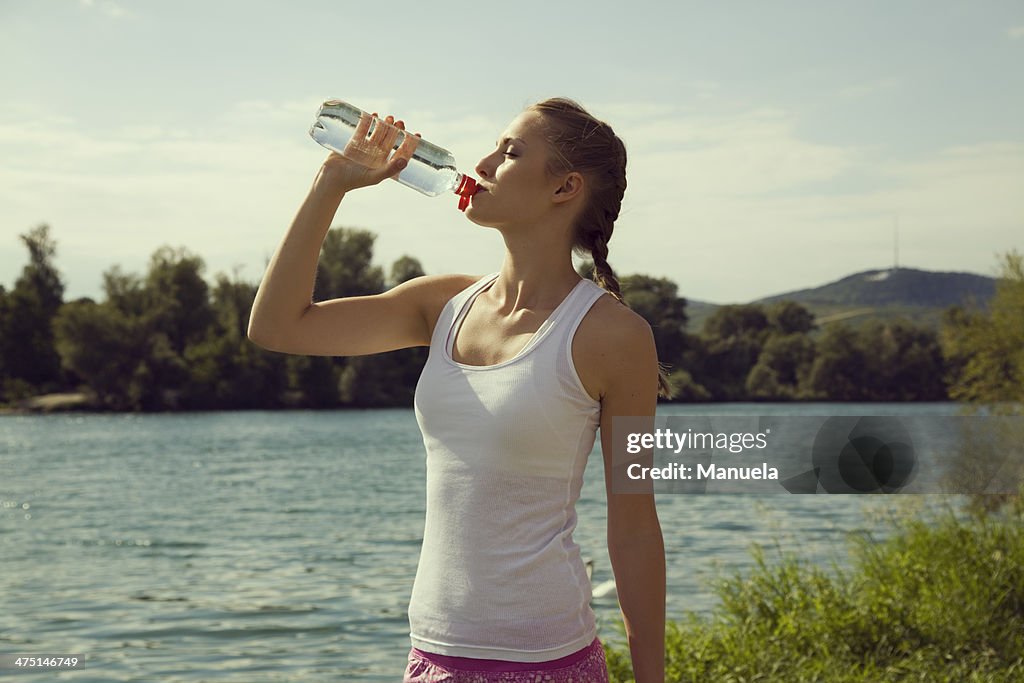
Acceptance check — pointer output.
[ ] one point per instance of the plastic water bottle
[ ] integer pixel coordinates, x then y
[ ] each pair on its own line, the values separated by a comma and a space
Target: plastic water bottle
431, 170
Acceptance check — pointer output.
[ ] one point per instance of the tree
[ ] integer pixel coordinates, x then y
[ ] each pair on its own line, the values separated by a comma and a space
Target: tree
903, 362
40, 275
346, 265
783, 367
986, 350
788, 317
404, 269
225, 370
737, 320
101, 345
657, 301
317, 378
385, 379
7, 385
685, 388
985, 355
130, 350
30, 359
838, 370
232, 301
177, 297
125, 291
763, 383
733, 337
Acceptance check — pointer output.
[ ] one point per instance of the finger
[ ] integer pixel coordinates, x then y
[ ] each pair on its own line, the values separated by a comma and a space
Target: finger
374, 127
390, 135
383, 140
408, 146
363, 126
381, 129
395, 166
403, 133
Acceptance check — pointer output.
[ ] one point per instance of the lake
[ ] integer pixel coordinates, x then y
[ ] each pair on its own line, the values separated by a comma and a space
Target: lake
282, 546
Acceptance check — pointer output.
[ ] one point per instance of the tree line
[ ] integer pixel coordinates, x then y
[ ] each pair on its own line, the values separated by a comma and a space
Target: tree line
169, 340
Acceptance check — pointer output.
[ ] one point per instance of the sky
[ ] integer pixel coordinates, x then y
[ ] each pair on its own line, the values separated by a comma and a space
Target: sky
772, 146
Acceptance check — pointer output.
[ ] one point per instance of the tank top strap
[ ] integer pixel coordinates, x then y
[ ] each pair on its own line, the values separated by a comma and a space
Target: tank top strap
455, 310
460, 299
581, 300
564, 320
560, 324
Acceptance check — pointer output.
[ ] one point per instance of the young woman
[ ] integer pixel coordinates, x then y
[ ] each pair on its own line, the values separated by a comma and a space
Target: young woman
524, 365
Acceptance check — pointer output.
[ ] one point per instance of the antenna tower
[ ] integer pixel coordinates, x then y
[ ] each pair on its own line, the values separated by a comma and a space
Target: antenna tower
896, 244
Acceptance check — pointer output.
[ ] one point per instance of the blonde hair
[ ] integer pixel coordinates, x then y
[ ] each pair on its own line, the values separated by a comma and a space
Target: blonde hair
582, 143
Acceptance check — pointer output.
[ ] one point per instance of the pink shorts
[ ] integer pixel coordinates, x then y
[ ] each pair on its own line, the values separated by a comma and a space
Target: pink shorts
584, 666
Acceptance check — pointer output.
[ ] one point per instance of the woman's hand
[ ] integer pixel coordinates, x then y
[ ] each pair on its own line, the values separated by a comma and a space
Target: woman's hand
366, 160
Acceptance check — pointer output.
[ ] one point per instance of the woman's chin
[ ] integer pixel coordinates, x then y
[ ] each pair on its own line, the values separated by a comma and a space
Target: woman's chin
474, 217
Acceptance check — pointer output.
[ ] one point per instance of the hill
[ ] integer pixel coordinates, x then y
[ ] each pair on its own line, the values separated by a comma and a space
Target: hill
919, 296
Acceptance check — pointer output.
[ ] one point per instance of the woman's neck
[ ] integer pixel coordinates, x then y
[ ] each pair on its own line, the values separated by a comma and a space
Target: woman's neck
536, 278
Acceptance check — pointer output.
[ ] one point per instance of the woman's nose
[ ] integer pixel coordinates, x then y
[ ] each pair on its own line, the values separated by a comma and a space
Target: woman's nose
483, 168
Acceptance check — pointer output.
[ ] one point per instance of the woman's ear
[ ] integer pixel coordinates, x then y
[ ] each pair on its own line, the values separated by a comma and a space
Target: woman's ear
571, 186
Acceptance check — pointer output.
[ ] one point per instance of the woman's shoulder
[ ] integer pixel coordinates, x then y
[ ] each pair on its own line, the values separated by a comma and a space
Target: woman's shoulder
611, 323
610, 340
433, 292
430, 287
446, 282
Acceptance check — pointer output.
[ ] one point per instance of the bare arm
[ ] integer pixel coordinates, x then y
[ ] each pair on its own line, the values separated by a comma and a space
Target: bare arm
284, 317
626, 380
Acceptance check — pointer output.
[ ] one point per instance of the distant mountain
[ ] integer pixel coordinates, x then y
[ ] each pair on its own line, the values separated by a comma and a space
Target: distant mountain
896, 286
916, 295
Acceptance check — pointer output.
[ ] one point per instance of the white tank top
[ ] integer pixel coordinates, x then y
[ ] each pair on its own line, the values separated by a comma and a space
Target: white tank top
499, 575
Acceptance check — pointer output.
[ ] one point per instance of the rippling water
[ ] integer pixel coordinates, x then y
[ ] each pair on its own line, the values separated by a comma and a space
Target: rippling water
281, 546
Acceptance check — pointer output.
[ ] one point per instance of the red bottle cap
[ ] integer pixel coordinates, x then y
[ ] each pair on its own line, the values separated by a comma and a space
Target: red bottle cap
466, 189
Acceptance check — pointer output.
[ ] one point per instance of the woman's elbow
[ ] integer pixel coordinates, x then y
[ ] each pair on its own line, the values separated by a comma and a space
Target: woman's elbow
259, 335
274, 328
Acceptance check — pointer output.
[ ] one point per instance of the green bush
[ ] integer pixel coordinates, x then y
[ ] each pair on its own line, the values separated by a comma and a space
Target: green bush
942, 599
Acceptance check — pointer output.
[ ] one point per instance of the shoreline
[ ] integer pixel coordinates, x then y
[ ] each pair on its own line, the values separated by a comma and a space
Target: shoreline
67, 402
51, 403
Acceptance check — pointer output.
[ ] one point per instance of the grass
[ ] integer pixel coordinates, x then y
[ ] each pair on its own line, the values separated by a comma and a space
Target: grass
941, 599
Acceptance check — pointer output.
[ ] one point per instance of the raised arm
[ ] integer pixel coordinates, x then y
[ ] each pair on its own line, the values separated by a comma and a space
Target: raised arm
284, 318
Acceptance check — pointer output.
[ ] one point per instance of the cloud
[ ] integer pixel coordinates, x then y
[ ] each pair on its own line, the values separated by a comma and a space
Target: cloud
736, 206
1015, 32
860, 90
107, 7
226, 190
731, 206
756, 152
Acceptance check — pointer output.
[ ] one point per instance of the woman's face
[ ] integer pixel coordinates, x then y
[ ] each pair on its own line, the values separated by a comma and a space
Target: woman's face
514, 178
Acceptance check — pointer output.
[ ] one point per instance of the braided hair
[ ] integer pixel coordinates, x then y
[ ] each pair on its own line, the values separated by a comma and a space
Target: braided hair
582, 143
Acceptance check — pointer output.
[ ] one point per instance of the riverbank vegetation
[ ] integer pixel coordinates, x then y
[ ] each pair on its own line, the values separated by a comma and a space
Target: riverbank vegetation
169, 340
940, 600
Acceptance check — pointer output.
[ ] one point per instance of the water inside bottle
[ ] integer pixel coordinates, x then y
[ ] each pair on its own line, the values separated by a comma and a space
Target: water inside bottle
431, 170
